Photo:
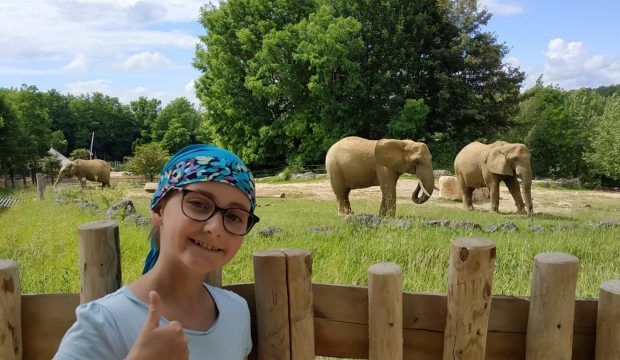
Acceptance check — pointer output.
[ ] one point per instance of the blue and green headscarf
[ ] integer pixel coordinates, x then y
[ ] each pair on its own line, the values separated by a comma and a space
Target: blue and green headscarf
201, 162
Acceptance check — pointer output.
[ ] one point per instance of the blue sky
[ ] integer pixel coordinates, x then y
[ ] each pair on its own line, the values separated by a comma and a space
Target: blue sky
133, 48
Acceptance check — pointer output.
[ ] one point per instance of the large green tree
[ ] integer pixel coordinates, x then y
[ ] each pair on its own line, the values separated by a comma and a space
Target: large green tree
282, 80
176, 125
604, 157
144, 112
112, 122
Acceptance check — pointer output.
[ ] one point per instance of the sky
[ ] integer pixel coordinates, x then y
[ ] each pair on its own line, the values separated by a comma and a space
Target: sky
133, 48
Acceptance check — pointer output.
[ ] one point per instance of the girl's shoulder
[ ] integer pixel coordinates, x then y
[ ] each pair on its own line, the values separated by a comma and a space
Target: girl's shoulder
226, 297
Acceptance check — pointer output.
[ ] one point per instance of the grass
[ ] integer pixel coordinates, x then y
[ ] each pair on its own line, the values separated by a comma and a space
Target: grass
42, 237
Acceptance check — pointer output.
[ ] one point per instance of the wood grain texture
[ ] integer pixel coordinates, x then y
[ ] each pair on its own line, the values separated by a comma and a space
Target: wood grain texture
608, 321
10, 311
470, 280
552, 307
385, 312
100, 259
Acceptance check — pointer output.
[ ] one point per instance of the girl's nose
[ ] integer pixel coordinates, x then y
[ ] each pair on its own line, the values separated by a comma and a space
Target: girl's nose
215, 225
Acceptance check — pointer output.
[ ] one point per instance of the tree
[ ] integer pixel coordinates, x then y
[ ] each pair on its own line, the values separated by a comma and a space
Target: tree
176, 126
605, 154
144, 112
282, 81
111, 121
148, 160
410, 123
80, 153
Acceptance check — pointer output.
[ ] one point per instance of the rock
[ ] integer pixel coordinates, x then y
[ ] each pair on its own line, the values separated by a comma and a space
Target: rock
400, 223
138, 219
449, 189
507, 226
609, 223
442, 173
464, 224
537, 228
150, 187
437, 222
269, 231
372, 221
306, 175
123, 208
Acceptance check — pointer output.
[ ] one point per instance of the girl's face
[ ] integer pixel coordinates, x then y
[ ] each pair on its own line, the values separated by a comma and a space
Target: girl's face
202, 246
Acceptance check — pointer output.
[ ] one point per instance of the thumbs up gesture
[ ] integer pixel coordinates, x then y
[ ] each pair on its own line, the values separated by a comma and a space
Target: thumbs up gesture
159, 342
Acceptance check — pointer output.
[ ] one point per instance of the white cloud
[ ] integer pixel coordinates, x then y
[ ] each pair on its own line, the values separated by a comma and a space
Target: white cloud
145, 61
501, 7
44, 28
569, 65
78, 64
91, 86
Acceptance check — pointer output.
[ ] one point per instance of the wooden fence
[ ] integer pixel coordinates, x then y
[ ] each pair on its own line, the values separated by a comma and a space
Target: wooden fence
292, 318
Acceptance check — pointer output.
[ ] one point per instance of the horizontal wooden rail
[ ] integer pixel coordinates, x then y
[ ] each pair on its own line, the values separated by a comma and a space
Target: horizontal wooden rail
341, 323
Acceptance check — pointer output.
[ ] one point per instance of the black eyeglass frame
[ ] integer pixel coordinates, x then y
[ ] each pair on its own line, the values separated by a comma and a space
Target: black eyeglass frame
252, 219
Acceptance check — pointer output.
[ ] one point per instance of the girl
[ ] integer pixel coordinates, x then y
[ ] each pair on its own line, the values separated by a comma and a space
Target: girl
203, 206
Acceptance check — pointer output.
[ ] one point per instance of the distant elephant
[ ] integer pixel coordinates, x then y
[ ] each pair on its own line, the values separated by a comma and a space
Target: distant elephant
93, 170
355, 163
478, 165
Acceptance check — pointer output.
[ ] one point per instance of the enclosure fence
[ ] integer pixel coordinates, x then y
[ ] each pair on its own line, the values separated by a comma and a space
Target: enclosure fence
293, 318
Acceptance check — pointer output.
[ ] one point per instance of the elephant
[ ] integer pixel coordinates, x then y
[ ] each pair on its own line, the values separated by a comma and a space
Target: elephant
93, 170
478, 165
355, 163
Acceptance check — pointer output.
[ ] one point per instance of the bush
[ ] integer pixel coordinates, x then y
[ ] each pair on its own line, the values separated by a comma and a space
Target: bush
148, 160
80, 153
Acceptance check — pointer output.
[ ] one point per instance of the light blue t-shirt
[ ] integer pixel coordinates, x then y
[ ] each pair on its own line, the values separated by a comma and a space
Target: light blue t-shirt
107, 328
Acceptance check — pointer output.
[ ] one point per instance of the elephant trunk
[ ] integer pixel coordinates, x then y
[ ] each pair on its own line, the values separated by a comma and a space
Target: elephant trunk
526, 190
58, 179
426, 183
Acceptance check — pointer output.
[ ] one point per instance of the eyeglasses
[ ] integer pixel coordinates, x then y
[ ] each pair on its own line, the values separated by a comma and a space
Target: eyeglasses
199, 206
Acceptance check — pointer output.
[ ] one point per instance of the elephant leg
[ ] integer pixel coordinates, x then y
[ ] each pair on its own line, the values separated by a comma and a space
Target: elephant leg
494, 192
388, 201
467, 192
344, 206
515, 191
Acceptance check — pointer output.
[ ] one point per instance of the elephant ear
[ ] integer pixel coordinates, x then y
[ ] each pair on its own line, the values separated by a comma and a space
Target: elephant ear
391, 154
498, 163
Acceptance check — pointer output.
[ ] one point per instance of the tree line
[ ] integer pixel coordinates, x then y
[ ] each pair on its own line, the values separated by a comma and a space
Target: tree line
281, 81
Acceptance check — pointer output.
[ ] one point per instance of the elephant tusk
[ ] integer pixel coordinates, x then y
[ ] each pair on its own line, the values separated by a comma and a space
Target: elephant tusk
424, 190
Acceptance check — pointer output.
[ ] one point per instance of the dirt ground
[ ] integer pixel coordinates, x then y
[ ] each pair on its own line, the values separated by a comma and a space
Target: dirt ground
545, 200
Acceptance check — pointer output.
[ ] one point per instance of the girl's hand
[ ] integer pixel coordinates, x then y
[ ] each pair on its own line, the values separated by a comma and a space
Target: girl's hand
155, 342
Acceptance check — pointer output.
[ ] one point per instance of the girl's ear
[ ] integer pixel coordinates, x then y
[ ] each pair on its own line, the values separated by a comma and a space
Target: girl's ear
156, 216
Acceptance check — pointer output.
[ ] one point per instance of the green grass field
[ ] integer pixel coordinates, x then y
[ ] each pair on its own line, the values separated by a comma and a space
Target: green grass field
42, 237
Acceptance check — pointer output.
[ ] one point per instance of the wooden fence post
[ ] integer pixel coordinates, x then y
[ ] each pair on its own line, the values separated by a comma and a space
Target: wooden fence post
299, 276
284, 312
385, 312
40, 186
470, 280
10, 311
608, 321
552, 307
100, 259
271, 305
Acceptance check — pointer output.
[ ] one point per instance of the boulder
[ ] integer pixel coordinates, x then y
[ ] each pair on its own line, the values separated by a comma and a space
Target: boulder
449, 189
150, 187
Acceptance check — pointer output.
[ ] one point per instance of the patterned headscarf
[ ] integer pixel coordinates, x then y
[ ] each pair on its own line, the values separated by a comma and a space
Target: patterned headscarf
201, 162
